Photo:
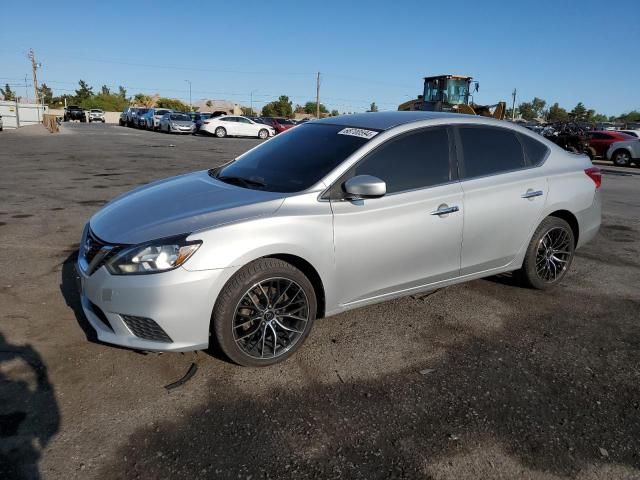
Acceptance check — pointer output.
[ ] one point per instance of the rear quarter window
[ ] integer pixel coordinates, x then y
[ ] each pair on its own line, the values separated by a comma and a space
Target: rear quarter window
535, 152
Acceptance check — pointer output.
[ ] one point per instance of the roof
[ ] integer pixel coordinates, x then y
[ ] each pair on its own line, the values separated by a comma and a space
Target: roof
386, 120
449, 75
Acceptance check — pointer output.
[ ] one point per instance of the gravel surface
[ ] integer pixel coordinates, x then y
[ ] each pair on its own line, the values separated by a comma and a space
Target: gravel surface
481, 380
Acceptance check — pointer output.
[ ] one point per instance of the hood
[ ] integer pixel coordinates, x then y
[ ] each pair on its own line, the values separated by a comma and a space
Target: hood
179, 205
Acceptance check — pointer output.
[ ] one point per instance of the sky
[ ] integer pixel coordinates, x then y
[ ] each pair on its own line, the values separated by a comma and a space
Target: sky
366, 51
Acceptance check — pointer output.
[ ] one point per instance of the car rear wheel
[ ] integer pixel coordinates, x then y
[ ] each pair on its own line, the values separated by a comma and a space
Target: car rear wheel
549, 254
263, 133
621, 158
264, 313
221, 132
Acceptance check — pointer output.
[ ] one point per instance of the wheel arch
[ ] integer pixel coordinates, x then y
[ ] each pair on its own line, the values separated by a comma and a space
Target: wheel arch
311, 273
571, 219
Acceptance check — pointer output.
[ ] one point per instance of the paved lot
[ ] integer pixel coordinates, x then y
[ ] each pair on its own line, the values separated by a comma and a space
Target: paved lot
482, 380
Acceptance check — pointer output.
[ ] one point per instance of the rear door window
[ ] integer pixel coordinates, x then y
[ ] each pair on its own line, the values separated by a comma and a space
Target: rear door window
535, 152
489, 151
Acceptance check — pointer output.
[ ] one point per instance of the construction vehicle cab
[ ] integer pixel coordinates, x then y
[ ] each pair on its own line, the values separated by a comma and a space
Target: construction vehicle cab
441, 93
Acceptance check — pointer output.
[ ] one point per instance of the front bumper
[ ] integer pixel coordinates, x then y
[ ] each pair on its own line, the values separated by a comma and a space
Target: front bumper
179, 301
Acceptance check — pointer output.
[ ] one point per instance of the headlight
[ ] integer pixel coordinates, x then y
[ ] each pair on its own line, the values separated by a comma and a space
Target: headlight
159, 256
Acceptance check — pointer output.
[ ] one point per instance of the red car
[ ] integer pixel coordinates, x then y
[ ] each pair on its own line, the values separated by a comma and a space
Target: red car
280, 124
600, 140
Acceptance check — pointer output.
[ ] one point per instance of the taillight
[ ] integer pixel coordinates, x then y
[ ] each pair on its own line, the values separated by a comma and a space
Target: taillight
595, 174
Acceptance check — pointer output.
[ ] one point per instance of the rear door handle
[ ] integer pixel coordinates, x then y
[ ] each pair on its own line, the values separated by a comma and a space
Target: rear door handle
444, 210
532, 193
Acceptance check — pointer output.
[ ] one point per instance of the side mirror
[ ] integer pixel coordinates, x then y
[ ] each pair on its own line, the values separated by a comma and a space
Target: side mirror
365, 186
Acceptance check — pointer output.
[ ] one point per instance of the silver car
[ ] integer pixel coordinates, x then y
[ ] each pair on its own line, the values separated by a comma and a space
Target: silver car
331, 215
153, 116
174, 122
623, 154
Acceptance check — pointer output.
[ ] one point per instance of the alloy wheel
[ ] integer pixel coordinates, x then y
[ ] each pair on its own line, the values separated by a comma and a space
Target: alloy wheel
270, 318
622, 159
553, 254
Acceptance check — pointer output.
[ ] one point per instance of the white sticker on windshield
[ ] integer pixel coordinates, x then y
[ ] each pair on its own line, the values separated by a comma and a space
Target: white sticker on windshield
358, 132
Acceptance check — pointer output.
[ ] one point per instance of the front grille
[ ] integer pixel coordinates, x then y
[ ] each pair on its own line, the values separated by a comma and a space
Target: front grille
146, 328
94, 247
97, 311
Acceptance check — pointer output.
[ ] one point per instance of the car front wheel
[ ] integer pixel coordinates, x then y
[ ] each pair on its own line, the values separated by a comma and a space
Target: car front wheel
621, 158
549, 254
264, 313
221, 132
263, 133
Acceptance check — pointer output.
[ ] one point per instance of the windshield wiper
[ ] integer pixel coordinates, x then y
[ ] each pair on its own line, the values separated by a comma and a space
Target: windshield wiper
245, 182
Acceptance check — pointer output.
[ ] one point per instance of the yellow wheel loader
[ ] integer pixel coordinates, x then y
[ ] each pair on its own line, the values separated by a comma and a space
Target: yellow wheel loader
452, 93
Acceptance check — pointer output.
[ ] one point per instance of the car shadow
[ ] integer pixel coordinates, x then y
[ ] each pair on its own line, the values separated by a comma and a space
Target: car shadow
528, 392
71, 295
29, 414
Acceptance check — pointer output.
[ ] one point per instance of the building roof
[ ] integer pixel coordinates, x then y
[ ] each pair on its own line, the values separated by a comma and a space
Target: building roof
387, 120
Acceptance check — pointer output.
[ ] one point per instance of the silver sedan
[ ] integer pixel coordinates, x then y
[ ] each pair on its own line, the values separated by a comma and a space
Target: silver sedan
624, 153
176, 123
332, 215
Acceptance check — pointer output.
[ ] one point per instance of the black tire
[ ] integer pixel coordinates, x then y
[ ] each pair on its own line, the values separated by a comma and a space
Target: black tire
233, 293
621, 158
220, 132
537, 252
263, 134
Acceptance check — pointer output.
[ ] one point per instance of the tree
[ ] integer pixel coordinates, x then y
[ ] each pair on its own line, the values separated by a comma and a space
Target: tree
526, 110
599, 117
557, 114
373, 107
84, 92
509, 113
104, 90
122, 92
334, 113
538, 105
310, 108
45, 93
632, 116
142, 100
172, 104
280, 108
7, 93
579, 112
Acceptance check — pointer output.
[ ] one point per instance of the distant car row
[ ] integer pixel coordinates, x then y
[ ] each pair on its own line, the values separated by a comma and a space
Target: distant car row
73, 112
217, 123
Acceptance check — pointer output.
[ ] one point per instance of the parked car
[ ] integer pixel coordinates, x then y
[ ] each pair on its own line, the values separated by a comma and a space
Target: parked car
236, 126
96, 115
279, 124
139, 120
336, 214
623, 154
153, 116
198, 119
176, 122
128, 116
73, 112
601, 140
633, 133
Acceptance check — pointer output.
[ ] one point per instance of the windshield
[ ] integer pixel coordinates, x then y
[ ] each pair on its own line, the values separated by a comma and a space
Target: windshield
93, 110
284, 121
293, 161
161, 112
181, 117
142, 111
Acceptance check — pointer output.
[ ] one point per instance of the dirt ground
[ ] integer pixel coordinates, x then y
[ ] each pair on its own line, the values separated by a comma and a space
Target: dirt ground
481, 380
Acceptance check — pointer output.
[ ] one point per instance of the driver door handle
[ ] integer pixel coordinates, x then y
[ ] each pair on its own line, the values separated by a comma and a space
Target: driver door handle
532, 193
444, 210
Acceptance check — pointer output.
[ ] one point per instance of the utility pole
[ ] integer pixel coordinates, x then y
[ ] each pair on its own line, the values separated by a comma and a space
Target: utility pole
513, 105
318, 96
34, 67
190, 105
26, 86
251, 100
